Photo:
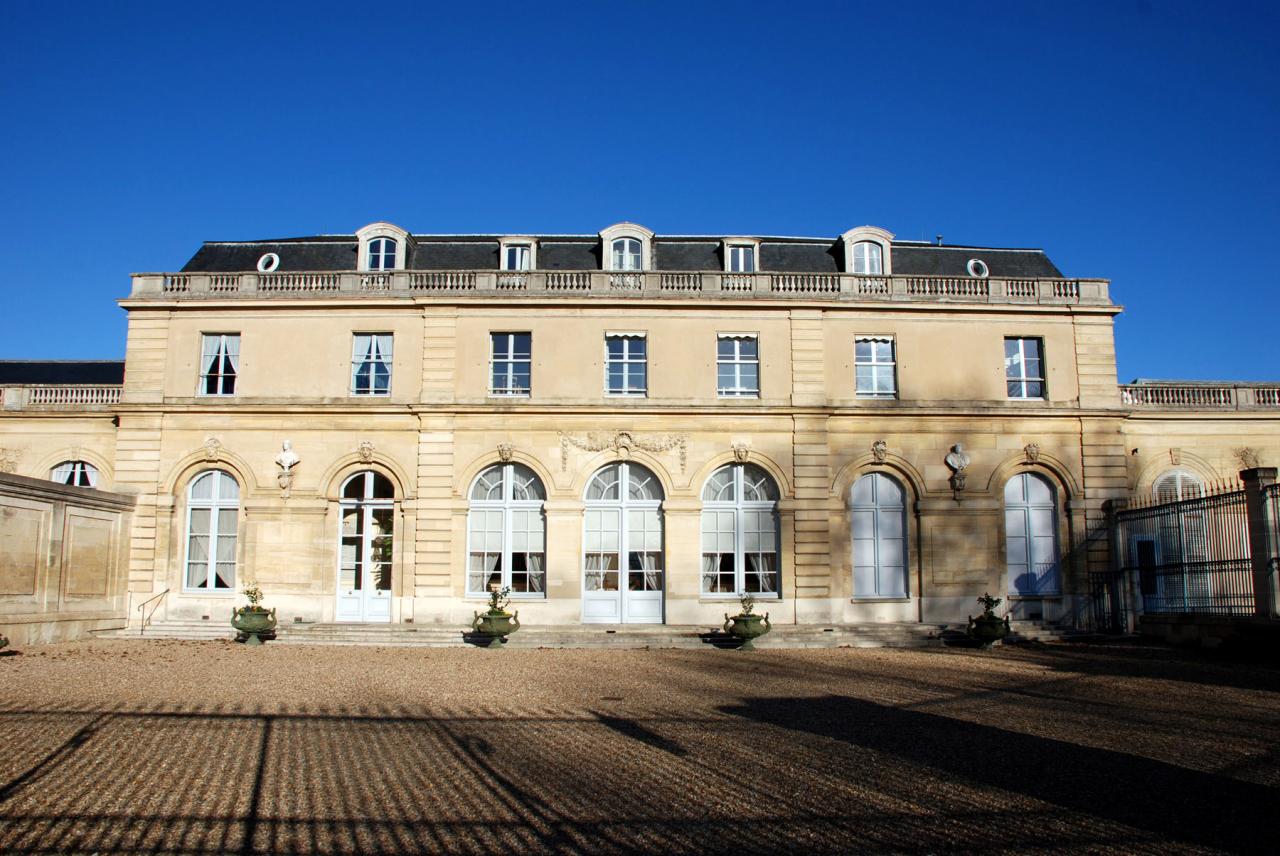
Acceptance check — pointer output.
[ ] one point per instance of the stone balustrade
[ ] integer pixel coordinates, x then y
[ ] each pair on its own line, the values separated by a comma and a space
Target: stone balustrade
1200, 396
639, 284
59, 396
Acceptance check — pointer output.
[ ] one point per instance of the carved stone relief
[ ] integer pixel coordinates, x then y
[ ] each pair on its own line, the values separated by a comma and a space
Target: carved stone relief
212, 446
880, 451
9, 460
622, 442
741, 451
286, 461
1246, 457
365, 449
1032, 451
505, 451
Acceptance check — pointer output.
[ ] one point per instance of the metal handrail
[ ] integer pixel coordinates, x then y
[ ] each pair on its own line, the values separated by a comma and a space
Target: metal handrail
146, 617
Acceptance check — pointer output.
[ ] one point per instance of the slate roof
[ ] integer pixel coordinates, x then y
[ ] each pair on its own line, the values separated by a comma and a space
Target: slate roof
583, 252
104, 372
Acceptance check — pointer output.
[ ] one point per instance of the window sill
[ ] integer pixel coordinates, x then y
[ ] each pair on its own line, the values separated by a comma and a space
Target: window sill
509, 395
514, 598
640, 395
733, 598
227, 593
369, 395
880, 599
202, 395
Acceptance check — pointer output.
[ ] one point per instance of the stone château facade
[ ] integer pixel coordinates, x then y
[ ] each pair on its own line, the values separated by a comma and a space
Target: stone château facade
622, 427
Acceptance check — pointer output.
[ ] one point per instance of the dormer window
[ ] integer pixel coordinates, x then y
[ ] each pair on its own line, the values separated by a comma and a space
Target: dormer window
382, 247
868, 258
382, 254
867, 251
626, 254
518, 254
741, 255
627, 247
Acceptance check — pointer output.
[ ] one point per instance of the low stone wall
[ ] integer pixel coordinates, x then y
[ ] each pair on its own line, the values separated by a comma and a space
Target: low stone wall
1260, 635
63, 560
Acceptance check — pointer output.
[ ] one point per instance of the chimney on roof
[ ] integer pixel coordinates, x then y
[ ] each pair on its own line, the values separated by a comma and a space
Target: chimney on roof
938, 238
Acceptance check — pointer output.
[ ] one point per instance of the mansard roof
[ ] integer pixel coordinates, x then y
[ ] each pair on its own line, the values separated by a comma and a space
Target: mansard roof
62, 371
582, 252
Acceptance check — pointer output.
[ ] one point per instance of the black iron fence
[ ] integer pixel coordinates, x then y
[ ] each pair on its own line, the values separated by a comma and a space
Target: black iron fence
1271, 504
1190, 556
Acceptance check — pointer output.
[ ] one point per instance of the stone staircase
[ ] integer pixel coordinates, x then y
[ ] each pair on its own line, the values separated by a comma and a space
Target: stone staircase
1040, 631
570, 636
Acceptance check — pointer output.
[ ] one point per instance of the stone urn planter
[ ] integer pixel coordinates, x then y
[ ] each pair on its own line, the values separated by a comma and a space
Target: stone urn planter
254, 621
495, 624
746, 625
4, 641
988, 628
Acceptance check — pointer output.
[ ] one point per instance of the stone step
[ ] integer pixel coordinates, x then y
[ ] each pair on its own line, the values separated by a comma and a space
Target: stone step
572, 636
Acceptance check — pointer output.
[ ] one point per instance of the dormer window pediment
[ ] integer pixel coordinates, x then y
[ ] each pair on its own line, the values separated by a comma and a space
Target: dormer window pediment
627, 247
868, 250
382, 247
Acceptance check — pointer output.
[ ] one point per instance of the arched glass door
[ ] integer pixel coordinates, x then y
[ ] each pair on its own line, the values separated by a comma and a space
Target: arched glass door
1031, 536
623, 564
367, 521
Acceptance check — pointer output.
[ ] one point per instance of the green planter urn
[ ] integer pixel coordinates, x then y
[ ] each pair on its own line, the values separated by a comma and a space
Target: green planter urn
4, 641
747, 626
253, 622
496, 623
988, 628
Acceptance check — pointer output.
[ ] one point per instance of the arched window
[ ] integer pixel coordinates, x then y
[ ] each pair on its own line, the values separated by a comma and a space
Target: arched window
868, 257
366, 538
626, 254
506, 532
879, 524
740, 532
213, 509
1031, 536
1177, 485
622, 545
77, 473
382, 254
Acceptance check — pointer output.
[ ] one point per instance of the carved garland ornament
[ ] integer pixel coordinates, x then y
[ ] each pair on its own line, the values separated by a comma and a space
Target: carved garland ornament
9, 460
622, 442
1246, 457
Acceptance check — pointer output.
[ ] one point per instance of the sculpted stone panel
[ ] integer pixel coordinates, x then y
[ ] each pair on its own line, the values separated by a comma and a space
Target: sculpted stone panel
88, 552
20, 549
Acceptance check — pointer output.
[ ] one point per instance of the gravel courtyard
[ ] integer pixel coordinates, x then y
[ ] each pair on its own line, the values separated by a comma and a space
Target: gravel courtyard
210, 747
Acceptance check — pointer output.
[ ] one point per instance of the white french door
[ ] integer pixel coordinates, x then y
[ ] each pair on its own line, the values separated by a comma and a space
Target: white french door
365, 541
623, 573
1031, 536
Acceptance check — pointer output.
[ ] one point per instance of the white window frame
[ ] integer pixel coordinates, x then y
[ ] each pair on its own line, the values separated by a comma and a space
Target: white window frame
507, 504
383, 254
510, 360
1183, 480
868, 258
878, 510
626, 362
224, 346
529, 244
71, 472
624, 504
214, 505
1029, 533
734, 251
740, 506
1023, 379
375, 356
738, 361
878, 367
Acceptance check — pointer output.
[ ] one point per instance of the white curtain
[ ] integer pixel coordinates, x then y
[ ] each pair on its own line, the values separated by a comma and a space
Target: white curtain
760, 565
533, 562
710, 565
652, 578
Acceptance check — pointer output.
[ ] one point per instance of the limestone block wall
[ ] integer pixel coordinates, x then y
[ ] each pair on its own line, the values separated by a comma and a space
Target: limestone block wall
62, 559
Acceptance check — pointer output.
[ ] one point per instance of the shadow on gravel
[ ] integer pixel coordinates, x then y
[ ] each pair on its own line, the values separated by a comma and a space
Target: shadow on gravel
1158, 662
1188, 805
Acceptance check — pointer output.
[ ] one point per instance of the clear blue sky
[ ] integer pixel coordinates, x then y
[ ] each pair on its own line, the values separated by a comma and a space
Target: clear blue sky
1138, 141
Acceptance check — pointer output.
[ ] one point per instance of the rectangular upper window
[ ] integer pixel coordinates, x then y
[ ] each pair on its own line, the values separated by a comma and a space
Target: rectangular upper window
626, 366
511, 363
742, 258
1024, 367
516, 257
219, 363
738, 365
371, 364
875, 366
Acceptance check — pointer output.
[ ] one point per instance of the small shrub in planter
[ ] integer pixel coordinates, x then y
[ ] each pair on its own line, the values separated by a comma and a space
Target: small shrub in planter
746, 625
254, 621
988, 628
496, 623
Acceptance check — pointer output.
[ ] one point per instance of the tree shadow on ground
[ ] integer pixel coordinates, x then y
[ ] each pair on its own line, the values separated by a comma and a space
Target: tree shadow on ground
1167, 800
